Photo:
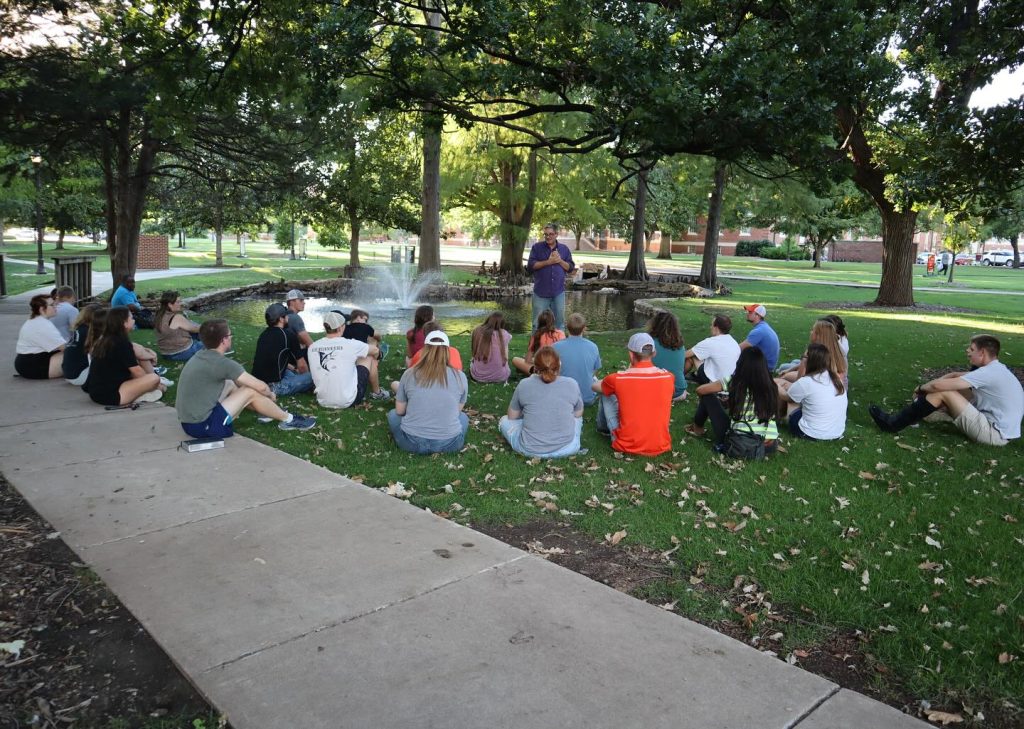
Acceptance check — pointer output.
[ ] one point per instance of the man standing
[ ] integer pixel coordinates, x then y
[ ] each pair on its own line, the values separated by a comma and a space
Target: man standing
714, 358
580, 357
986, 404
125, 295
278, 355
636, 403
343, 369
762, 336
549, 262
213, 390
296, 303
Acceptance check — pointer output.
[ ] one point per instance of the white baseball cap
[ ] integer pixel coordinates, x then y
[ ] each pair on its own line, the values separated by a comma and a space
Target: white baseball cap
437, 338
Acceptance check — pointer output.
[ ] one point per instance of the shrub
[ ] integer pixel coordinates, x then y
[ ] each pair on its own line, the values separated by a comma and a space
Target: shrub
752, 247
779, 254
333, 238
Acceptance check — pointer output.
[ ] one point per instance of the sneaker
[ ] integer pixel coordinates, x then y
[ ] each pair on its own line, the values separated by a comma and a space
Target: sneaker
298, 422
151, 396
384, 348
161, 370
380, 395
166, 383
265, 419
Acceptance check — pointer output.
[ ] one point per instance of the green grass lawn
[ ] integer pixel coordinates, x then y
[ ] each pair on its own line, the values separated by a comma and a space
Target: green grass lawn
912, 543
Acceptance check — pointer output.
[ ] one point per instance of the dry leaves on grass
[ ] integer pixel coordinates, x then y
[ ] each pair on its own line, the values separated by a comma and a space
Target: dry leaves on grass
944, 717
615, 538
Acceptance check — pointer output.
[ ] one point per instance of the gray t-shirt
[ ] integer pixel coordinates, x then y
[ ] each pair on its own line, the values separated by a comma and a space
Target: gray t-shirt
998, 396
201, 383
432, 412
295, 322
548, 411
64, 318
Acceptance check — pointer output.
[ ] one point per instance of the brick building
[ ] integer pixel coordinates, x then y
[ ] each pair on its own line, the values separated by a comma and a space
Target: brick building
153, 254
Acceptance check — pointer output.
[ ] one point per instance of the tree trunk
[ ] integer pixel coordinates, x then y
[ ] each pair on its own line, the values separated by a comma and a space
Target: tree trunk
60, 239
3, 231
1014, 242
816, 246
355, 224
636, 268
648, 237
430, 227
897, 285
218, 237
952, 267
709, 263
515, 216
665, 249
579, 235
181, 239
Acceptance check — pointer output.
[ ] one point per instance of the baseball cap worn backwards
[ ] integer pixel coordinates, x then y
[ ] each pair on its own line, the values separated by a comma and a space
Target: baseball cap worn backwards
437, 339
294, 294
334, 320
641, 343
757, 309
275, 312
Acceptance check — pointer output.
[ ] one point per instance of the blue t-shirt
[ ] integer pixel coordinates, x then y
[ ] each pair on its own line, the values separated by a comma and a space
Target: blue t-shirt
124, 297
673, 360
764, 338
580, 359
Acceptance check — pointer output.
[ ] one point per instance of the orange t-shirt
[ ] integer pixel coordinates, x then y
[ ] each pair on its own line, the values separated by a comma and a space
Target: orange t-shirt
454, 358
645, 406
546, 340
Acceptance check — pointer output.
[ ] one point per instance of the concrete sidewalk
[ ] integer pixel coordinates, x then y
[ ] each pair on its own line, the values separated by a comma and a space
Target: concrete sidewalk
292, 596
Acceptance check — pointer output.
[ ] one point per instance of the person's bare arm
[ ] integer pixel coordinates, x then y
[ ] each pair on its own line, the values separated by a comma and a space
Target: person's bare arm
247, 380
180, 321
945, 384
400, 407
304, 339
596, 387
710, 388
745, 344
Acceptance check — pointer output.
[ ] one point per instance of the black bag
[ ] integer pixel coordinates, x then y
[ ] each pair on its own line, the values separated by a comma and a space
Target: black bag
742, 442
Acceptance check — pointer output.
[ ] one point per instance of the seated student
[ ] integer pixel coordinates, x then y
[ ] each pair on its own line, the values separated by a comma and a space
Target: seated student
844, 340
213, 390
295, 301
357, 327
490, 350
343, 369
821, 398
761, 335
454, 358
823, 332
115, 375
545, 417
714, 357
543, 336
75, 366
752, 400
636, 404
986, 404
580, 357
177, 336
39, 353
64, 301
671, 352
415, 336
278, 355
124, 295
428, 415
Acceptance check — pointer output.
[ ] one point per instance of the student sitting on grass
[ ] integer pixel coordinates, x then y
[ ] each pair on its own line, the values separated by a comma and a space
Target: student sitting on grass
344, 370
545, 417
116, 376
986, 404
428, 415
752, 402
357, 326
177, 336
39, 352
544, 336
580, 357
490, 350
823, 332
821, 398
671, 353
415, 336
714, 357
454, 358
213, 390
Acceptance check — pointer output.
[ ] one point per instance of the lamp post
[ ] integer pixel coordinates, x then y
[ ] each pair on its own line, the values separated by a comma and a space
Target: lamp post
37, 164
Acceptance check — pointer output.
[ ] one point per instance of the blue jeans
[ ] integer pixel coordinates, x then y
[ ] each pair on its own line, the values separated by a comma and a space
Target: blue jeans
186, 355
607, 414
423, 446
292, 383
557, 306
513, 432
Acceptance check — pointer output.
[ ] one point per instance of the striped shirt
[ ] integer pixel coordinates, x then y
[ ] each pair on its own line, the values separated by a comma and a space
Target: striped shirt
768, 431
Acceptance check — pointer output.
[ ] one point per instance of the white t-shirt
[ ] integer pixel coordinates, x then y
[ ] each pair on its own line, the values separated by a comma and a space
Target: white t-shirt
39, 335
824, 412
332, 362
999, 397
719, 355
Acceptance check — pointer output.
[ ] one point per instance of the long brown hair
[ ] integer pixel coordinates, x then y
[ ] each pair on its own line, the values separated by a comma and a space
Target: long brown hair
113, 331
824, 333
545, 325
423, 314
819, 359
547, 364
166, 299
86, 315
665, 328
99, 321
432, 369
483, 335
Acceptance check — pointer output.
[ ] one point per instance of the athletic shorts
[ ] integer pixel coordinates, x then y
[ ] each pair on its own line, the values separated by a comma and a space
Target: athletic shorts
33, 366
362, 382
216, 425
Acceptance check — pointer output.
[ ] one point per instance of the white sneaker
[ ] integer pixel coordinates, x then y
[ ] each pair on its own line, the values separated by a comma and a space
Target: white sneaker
166, 383
265, 419
151, 396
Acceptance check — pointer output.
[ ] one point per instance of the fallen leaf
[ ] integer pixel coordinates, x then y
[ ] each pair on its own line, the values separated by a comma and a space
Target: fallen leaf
865, 577
867, 475
944, 717
615, 538
1007, 657
932, 542
905, 447
928, 565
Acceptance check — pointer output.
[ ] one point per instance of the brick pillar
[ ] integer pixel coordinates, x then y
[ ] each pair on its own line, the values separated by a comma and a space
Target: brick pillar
153, 252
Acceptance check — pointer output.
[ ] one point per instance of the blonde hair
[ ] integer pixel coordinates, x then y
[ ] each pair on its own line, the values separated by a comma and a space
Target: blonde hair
824, 333
432, 369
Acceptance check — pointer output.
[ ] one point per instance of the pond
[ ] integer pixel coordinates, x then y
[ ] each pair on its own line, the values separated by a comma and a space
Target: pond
603, 312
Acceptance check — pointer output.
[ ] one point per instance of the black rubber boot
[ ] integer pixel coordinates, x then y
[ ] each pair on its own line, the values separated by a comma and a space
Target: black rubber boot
913, 413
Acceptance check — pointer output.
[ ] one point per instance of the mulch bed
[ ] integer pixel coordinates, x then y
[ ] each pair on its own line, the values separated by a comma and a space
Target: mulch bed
931, 308
930, 374
86, 661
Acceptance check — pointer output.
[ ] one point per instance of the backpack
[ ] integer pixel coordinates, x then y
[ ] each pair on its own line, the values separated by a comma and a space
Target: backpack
742, 442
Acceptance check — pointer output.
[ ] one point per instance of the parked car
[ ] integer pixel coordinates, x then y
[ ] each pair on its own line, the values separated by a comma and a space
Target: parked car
922, 258
998, 258
964, 259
